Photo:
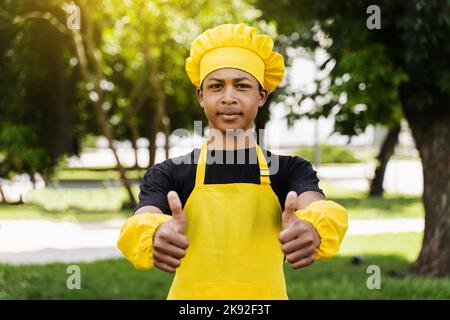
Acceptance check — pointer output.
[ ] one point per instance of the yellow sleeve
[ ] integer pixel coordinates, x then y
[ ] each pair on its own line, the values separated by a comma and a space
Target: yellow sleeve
330, 221
136, 238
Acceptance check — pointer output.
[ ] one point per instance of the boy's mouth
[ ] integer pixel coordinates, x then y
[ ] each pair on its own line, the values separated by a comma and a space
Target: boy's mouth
229, 115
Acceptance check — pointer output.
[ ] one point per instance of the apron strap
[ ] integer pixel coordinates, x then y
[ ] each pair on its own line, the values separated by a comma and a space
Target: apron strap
201, 165
264, 174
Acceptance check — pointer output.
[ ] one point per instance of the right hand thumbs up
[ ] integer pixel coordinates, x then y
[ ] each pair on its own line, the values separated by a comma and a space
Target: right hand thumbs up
288, 215
177, 211
170, 243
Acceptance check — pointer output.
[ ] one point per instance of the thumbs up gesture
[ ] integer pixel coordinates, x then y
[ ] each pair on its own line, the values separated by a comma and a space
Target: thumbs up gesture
298, 238
170, 243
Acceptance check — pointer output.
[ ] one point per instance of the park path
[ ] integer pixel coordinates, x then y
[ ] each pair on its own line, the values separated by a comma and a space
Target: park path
43, 241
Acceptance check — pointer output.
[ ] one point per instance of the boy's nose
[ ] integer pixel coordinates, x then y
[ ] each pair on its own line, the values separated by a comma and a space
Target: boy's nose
228, 96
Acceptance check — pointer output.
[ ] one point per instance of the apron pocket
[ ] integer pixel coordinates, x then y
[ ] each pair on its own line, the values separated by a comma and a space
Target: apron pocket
232, 291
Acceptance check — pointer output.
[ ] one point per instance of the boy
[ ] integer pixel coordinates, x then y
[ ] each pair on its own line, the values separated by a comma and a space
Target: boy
235, 224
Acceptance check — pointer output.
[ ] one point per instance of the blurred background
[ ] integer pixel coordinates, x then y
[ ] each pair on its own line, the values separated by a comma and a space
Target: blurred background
91, 92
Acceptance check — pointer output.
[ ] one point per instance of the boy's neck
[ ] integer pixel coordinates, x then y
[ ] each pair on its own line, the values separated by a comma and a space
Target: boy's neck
224, 141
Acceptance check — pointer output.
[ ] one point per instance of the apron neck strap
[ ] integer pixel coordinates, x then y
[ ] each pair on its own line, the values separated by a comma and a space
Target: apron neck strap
264, 174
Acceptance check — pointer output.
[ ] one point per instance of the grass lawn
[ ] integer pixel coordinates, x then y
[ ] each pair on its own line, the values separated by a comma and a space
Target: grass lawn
79, 174
75, 204
32, 211
360, 206
335, 279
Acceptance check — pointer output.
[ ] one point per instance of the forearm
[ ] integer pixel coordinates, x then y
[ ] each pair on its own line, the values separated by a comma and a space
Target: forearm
147, 209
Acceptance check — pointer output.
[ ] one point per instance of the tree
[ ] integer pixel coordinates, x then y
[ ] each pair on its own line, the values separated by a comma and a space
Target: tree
402, 68
154, 93
386, 151
36, 96
129, 61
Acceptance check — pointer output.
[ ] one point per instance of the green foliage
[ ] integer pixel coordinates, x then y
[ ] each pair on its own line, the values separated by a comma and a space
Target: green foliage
370, 90
36, 92
89, 141
20, 151
144, 46
329, 154
135, 52
372, 74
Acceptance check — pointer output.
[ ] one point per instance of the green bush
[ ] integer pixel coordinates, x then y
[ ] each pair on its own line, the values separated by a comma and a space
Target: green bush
89, 141
329, 154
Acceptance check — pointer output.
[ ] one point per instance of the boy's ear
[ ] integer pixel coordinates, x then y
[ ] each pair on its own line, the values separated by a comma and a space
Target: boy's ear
199, 93
263, 95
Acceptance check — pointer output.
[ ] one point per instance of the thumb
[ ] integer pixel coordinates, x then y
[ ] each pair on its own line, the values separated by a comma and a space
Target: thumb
289, 209
177, 211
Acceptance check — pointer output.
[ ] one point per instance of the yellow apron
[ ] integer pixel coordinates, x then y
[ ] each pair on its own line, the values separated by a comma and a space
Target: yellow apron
233, 229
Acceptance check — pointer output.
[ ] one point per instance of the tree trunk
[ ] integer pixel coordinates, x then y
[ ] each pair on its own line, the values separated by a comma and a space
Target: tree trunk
138, 101
135, 149
100, 113
2, 194
386, 151
431, 132
152, 147
166, 127
103, 122
160, 103
167, 145
45, 176
33, 179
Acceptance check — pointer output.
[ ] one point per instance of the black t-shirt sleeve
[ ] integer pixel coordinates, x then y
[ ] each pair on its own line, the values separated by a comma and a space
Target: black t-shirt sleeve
302, 176
157, 182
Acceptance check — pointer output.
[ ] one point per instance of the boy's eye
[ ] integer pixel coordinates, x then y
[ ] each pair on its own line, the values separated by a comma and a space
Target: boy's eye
215, 86
243, 85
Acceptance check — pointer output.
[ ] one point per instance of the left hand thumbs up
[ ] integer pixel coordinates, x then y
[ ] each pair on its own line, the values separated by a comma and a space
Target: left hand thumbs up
298, 238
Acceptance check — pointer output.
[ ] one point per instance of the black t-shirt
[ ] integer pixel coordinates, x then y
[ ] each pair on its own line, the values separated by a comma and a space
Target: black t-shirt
287, 173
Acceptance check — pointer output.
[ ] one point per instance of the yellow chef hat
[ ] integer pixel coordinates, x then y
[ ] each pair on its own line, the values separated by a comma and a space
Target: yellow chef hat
235, 46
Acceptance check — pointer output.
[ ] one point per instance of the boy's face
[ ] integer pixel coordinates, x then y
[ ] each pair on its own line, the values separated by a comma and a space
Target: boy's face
230, 98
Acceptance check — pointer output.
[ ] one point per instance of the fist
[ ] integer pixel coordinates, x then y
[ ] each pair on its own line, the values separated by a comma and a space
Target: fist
170, 243
299, 239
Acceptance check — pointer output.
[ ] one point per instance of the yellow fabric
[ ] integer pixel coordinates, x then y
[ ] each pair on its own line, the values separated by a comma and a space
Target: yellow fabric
330, 221
136, 238
235, 46
233, 229
219, 58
